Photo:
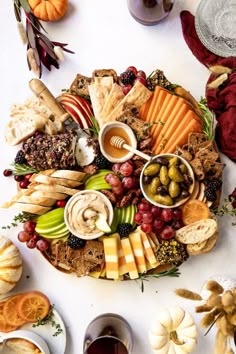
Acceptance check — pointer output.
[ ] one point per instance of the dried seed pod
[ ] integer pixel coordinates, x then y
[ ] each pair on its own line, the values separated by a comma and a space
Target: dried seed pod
59, 53
218, 81
33, 65
229, 351
209, 318
214, 287
214, 300
220, 343
220, 69
22, 32
232, 318
226, 328
228, 298
187, 294
234, 295
203, 308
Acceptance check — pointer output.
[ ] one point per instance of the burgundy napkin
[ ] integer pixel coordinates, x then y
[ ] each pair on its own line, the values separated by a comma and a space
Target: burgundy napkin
221, 100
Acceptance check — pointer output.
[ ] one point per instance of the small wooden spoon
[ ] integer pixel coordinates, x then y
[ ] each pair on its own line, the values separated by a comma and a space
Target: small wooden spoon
120, 143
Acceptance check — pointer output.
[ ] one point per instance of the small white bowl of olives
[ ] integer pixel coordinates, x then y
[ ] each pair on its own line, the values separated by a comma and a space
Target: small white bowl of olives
167, 180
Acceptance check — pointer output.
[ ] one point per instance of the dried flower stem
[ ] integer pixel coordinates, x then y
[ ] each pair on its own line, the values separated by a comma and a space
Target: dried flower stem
220, 343
187, 294
214, 287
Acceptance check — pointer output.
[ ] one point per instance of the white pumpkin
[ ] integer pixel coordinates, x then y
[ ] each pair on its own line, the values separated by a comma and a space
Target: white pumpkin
10, 265
173, 331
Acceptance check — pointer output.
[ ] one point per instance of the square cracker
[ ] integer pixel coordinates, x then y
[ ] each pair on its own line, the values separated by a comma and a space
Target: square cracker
115, 97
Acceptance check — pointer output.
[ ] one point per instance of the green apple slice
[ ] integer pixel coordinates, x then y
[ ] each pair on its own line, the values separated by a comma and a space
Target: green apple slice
49, 230
101, 223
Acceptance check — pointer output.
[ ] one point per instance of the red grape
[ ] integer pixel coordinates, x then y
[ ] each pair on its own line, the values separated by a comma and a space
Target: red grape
29, 226
23, 236
155, 210
60, 203
42, 244
113, 180
143, 206
167, 233
35, 236
141, 73
31, 243
18, 178
116, 167
127, 88
119, 190
141, 79
167, 215
23, 184
177, 224
158, 224
132, 68
147, 218
177, 214
128, 182
126, 169
138, 218
146, 228
7, 173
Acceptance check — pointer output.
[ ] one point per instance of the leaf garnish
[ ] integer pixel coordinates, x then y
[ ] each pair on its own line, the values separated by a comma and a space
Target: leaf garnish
173, 272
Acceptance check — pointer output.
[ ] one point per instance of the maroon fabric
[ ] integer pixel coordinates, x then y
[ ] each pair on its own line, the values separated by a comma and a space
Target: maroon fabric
221, 100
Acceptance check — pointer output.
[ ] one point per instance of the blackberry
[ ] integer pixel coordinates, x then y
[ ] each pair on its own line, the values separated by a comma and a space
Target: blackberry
20, 157
124, 229
75, 242
101, 162
214, 184
210, 194
127, 77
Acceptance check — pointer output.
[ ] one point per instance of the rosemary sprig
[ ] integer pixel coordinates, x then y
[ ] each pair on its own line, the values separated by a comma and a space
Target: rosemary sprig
207, 119
20, 218
173, 272
49, 319
226, 209
22, 169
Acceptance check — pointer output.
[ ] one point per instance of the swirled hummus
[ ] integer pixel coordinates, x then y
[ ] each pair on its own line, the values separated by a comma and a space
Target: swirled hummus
83, 211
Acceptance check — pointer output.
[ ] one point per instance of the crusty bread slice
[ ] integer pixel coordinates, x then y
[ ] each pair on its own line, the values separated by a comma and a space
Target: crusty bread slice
50, 195
22, 346
197, 232
41, 178
31, 208
52, 188
202, 247
69, 174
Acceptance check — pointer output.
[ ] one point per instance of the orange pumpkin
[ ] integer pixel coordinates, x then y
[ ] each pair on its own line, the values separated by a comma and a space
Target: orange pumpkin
48, 10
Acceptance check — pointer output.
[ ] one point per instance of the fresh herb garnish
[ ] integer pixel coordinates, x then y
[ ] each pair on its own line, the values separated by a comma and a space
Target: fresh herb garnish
173, 272
225, 209
22, 169
49, 319
207, 119
20, 218
95, 127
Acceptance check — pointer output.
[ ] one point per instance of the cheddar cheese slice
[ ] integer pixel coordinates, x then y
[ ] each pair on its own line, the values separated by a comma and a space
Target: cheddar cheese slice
123, 267
111, 257
148, 251
137, 247
129, 257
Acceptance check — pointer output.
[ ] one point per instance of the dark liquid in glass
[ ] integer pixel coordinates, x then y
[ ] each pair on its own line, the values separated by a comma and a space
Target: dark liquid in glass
107, 345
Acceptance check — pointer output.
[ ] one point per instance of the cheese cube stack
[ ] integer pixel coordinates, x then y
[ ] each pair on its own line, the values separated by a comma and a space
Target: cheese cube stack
132, 255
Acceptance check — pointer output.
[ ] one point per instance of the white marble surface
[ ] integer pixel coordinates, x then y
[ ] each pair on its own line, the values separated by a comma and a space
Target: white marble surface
104, 35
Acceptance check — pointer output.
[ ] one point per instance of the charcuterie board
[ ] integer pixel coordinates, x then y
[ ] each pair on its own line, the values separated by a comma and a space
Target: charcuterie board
114, 212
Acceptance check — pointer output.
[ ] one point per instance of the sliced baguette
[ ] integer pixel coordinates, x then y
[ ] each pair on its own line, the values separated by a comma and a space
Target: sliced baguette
31, 208
41, 178
202, 247
197, 232
52, 188
69, 174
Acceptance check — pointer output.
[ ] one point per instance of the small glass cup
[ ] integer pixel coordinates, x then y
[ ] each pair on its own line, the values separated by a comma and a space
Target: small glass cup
108, 333
150, 12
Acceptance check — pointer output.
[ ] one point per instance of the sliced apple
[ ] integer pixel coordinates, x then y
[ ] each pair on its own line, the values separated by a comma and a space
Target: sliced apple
101, 223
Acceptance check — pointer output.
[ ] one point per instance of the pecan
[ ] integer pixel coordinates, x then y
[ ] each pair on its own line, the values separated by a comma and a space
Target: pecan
135, 201
138, 164
146, 144
137, 171
125, 201
90, 169
110, 195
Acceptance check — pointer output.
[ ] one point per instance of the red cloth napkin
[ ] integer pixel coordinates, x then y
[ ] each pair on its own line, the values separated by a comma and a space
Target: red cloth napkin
221, 100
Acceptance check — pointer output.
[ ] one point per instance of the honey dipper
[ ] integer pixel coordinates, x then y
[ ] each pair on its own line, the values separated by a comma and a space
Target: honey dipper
120, 143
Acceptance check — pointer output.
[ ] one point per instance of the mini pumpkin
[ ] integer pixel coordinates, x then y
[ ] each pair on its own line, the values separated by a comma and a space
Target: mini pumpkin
10, 265
173, 331
48, 10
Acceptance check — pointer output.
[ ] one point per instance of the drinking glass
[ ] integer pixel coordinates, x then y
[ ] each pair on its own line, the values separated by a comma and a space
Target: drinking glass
108, 333
150, 12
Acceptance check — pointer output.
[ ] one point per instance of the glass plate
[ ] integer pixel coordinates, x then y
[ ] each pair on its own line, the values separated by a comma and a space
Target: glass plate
215, 23
56, 344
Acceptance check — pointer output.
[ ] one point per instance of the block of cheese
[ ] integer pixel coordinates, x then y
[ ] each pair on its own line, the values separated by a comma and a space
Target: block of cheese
148, 251
137, 247
111, 257
123, 268
129, 257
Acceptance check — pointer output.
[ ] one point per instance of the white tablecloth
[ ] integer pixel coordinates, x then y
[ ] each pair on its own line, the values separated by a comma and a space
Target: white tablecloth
104, 35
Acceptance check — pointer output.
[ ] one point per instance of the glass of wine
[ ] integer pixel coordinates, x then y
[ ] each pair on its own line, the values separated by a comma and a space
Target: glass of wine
150, 12
108, 333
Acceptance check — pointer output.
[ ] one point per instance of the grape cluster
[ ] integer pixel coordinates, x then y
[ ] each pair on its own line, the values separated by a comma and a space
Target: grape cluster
162, 221
130, 76
32, 238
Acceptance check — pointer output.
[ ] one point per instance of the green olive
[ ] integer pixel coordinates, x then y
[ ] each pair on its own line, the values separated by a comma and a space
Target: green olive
152, 187
183, 168
163, 199
164, 175
174, 189
175, 175
152, 169
174, 161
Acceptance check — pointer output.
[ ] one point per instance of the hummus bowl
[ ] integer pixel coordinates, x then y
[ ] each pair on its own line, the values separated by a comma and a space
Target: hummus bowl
82, 212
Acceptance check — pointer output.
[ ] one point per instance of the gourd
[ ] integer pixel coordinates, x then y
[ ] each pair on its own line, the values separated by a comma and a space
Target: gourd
10, 265
48, 10
173, 331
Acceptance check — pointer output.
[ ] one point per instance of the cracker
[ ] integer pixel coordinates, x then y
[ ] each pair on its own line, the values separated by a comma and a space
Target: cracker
213, 169
207, 154
98, 95
115, 97
197, 168
196, 138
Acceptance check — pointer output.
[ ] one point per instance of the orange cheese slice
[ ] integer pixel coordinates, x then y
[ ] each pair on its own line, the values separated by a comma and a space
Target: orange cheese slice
129, 257
137, 247
148, 251
111, 257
